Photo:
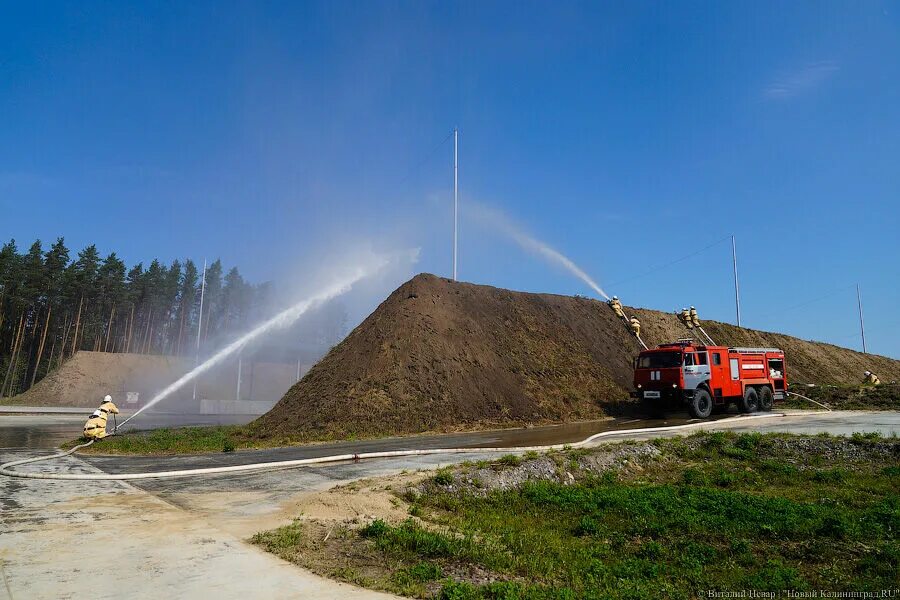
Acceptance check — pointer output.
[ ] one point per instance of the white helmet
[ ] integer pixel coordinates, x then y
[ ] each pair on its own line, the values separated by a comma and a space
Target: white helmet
683, 309
867, 373
107, 398
692, 306
615, 297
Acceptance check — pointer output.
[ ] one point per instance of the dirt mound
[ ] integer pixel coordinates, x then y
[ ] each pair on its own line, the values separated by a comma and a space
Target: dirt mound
86, 377
439, 355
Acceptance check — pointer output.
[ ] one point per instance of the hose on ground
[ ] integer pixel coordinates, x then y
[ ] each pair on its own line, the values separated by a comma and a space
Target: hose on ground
41, 458
825, 406
6, 469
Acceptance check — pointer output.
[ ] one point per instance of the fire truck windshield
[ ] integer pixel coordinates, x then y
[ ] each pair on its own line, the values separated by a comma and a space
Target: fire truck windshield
659, 360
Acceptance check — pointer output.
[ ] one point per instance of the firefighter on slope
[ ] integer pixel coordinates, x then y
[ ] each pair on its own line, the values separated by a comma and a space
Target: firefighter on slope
685, 317
617, 307
95, 428
695, 320
872, 378
635, 326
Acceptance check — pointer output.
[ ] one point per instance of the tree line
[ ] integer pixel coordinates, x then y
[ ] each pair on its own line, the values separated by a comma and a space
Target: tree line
52, 305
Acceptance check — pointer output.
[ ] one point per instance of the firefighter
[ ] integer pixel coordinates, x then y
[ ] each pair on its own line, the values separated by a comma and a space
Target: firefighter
635, 326
695, 320
685, 318
95, 428
872, 378
617, 307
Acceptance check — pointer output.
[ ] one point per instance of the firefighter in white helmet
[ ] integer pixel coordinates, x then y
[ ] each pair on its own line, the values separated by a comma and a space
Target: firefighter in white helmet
635, 326
872, 378
617, 307
95, 428
685, 317
695, 320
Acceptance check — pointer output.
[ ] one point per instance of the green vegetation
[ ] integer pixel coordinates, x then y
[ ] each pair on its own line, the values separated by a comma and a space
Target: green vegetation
848, 397
712, 512
225, 438
194, 440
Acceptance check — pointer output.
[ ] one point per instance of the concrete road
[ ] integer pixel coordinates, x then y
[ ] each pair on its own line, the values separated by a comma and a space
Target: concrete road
182, 538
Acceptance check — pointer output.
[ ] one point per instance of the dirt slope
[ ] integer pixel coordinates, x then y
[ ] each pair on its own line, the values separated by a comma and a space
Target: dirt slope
86, 377
443, 355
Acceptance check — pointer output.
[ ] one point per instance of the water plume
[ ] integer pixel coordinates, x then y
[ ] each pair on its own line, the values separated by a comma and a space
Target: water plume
285, 318
504, 225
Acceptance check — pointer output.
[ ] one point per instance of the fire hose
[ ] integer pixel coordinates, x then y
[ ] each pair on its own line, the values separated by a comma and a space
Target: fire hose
825, 406
6, 469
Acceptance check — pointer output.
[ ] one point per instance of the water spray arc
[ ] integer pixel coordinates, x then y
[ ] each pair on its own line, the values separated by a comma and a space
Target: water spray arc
502, 224
283, 319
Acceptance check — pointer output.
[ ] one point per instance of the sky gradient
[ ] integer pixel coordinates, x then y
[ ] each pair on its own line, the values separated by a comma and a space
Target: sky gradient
626, 135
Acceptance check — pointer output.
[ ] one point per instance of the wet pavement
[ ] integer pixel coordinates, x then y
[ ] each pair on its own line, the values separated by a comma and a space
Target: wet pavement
49, 430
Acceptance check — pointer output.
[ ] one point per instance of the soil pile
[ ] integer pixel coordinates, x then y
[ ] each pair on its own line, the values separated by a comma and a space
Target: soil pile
441, 355
85, 378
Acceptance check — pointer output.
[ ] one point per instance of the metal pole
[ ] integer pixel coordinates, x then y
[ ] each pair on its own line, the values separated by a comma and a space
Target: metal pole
862, 325
237, 393
455, 196
200, 324
737, 290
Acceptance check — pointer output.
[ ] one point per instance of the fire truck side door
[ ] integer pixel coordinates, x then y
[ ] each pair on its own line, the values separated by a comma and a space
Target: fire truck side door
719, 373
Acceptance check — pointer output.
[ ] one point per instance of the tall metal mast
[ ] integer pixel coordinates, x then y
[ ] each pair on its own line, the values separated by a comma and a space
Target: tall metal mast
455, 197
862, 325
737, 290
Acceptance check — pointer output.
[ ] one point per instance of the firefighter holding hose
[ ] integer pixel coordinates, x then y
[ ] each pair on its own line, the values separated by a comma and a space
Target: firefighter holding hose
616, 305
694, 319
635, 326
95, 428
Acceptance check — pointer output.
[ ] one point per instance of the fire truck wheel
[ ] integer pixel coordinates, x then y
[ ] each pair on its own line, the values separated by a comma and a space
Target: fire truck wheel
766, 399
750, 401
700, 406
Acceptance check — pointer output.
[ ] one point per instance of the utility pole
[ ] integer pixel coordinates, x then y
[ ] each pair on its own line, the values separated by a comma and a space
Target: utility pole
737, 290
237, 393
862, 325
200, 324
455, 197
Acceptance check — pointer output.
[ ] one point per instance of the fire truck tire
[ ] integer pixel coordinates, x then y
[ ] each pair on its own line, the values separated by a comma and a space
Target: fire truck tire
700, 405
766, 399
750, 402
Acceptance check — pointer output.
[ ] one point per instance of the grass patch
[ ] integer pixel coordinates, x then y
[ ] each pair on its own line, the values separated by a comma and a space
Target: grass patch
847, 397
194, 440
714, 512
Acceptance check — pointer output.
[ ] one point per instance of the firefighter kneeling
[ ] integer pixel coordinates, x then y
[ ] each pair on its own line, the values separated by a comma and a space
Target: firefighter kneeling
685, 318
95, 428
695, 320
635, 326
872, 379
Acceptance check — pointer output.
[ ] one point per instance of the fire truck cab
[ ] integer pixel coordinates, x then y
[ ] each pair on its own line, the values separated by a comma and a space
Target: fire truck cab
708, 377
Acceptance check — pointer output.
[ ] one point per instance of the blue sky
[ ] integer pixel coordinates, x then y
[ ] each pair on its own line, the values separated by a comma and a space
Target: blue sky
627, 135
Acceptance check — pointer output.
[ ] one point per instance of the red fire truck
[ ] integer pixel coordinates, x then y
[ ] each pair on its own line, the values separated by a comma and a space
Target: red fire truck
708, 377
